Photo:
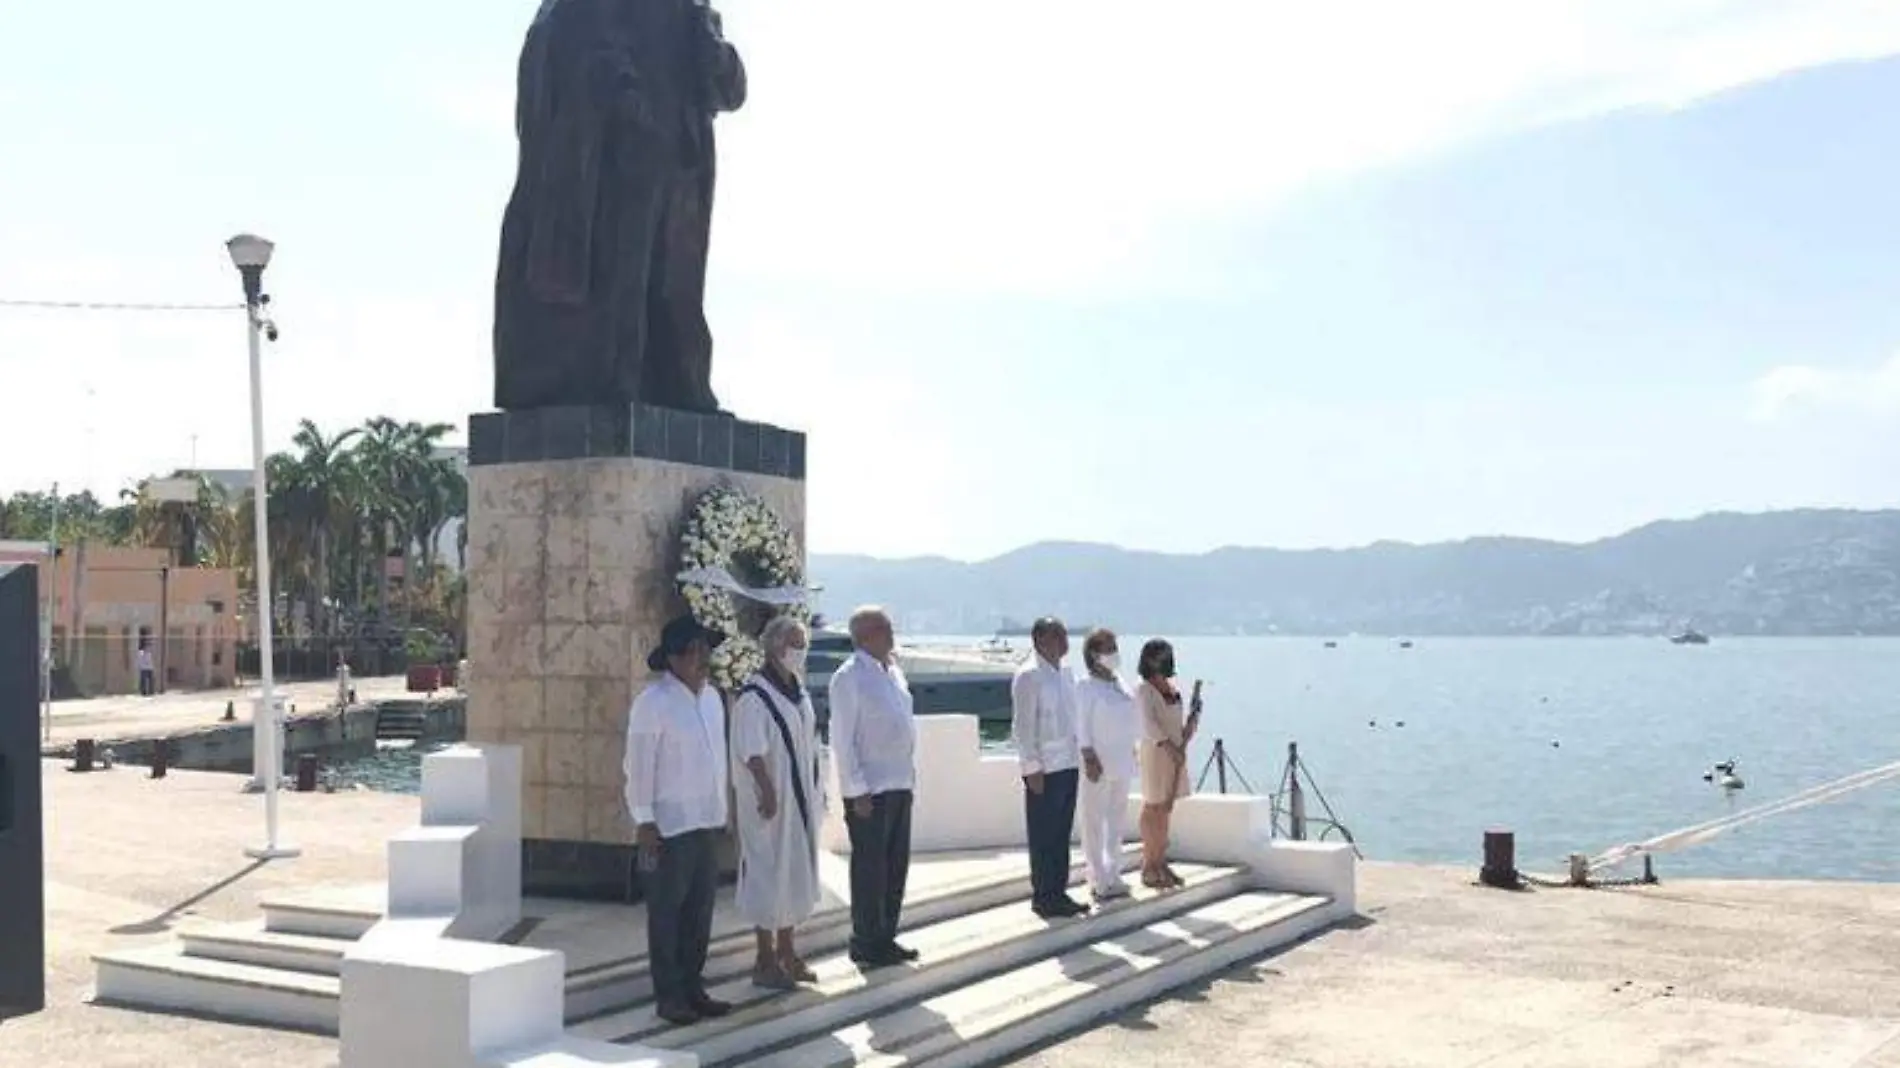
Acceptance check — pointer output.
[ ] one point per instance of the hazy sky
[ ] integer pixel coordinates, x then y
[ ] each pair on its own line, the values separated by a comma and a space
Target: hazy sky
1169, 275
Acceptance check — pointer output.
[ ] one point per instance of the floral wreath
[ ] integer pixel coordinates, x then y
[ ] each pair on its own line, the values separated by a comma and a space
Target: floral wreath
728, 527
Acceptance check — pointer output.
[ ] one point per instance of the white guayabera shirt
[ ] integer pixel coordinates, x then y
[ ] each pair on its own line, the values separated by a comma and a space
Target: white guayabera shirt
873, 734
676, 758
1042, 719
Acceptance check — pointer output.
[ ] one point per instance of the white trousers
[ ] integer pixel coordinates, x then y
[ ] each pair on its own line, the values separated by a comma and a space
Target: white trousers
1104, 828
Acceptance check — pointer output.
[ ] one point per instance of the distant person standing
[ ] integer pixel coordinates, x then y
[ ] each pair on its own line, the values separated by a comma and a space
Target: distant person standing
148, 676
1108, 729
676, 794
1042, 724
1166, 733
343, 688
874, 741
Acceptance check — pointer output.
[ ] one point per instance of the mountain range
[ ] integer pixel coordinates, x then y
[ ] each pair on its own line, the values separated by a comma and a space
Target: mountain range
1804, 572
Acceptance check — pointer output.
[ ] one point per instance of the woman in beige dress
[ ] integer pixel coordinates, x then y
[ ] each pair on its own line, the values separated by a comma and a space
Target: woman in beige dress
1166, 732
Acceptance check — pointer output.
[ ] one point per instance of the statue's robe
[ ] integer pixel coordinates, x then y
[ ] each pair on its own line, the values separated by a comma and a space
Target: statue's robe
599, 294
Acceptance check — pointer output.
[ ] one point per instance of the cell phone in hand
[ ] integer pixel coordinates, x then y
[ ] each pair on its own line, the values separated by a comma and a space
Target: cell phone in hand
1194, 702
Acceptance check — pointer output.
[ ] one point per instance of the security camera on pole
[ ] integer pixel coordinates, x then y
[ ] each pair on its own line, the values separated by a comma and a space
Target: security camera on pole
252, 254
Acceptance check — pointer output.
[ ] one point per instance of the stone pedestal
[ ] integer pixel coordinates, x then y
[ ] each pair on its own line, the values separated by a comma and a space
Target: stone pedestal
574, 522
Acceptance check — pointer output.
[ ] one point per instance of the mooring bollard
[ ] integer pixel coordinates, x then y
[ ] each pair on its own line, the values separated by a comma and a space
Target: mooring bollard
83, 752
1579, 870
307, 773
161, 758
230, 711
1500, 861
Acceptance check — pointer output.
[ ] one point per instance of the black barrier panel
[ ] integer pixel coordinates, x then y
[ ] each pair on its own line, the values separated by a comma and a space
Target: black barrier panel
22, 857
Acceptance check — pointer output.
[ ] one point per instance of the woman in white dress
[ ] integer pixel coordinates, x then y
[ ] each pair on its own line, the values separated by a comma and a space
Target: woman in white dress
779, 804
1108, 730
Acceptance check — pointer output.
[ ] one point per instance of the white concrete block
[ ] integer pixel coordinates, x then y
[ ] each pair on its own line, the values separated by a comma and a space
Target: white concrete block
443, 1003
455, 787
431, 870
1330, 869
1219, 828
476, 787
496, 904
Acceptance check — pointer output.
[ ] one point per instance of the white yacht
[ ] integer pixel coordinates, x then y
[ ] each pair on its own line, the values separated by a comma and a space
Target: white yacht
943, 678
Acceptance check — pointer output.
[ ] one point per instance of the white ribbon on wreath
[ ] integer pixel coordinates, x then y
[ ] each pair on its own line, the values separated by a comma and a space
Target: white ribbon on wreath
720, 578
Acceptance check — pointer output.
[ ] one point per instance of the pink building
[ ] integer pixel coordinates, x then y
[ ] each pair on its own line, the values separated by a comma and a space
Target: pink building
107, 601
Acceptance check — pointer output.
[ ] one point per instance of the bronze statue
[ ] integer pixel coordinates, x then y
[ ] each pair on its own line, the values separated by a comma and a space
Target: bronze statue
599, 294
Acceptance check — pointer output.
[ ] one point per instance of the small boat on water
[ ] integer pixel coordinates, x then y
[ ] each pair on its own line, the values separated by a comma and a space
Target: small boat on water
1691, 636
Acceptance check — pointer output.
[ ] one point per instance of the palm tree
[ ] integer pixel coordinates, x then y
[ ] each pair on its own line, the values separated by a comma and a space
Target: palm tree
319, 485
406, 492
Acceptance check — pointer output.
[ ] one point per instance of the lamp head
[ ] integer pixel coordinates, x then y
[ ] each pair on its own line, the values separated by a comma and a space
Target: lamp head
249, 251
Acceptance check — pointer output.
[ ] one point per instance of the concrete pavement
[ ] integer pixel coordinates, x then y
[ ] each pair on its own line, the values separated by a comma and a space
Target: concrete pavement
1442, 974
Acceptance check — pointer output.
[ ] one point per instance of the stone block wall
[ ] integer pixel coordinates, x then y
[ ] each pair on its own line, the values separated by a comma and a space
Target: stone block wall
571, 566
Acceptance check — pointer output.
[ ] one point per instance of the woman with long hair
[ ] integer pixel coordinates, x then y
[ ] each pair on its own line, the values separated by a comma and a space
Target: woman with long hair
1166, 732
1108, 731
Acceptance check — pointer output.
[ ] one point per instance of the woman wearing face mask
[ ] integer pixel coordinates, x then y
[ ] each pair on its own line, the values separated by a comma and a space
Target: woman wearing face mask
1166, 733
1108, 731
779, 806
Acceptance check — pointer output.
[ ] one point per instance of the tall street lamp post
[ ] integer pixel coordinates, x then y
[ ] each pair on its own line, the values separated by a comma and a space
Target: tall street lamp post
252, 254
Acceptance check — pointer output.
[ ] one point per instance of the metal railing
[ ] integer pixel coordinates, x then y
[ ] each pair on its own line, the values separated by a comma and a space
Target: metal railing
1290, 817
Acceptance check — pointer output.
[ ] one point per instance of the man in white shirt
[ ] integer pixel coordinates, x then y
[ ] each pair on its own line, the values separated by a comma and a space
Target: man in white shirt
676, 795
1042, 724
874, 741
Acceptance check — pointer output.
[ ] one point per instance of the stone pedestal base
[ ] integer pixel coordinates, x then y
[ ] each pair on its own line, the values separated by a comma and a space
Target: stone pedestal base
574, 523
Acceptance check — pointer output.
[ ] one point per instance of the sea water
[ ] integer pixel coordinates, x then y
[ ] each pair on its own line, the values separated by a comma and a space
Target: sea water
1574, 744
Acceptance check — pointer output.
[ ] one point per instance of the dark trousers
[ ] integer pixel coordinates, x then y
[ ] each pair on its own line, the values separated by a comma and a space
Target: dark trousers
148, 682
679, 893
1050, 816
880, 865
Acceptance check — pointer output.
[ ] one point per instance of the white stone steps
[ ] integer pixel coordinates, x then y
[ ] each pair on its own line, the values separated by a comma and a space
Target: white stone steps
164, 977
616, 985
336, 913
578, 1053
985, 1022
264, 974
953, 952
255, 944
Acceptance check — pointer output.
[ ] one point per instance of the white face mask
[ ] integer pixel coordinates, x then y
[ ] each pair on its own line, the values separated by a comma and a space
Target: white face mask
1111, 661
793, 660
